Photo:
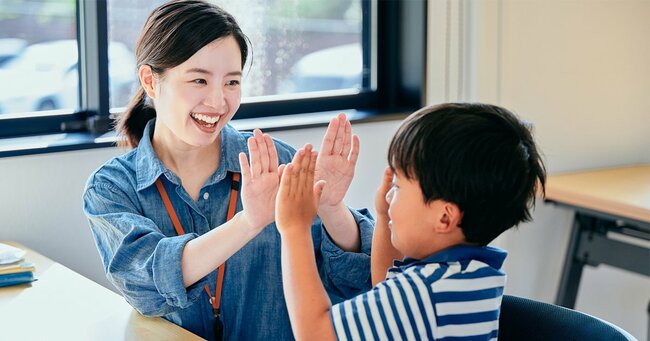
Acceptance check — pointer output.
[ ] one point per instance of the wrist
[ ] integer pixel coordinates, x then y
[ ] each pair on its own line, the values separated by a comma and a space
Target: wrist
332, 210
295, 233
244, 221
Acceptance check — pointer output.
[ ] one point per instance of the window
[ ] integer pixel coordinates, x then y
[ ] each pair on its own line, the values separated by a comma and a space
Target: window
38, 56
308, 56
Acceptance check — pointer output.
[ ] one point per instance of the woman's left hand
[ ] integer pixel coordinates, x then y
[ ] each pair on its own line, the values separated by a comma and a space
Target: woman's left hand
336, 160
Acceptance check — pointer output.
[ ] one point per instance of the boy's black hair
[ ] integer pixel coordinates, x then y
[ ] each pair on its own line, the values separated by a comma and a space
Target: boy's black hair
479, 156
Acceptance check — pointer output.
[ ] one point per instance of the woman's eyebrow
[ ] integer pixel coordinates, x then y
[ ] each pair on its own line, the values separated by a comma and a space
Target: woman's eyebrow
209, 73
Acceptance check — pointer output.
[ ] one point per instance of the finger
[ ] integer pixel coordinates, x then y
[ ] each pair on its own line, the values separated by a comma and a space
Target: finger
245, 168
354, 152
285, 181
255, 157
264, 150
273, 153
294, 175
305, 182
312, 167
347, 139
340, 135
318, 191
330, 135
281, 171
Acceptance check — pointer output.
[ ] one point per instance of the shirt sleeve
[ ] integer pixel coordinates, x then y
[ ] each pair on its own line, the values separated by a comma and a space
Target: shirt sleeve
346, 274
142, 263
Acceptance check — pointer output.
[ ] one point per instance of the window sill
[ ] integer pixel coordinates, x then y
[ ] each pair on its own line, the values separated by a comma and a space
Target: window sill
61, 142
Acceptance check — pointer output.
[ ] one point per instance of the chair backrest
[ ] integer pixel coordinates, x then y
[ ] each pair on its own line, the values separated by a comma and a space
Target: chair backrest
526, 319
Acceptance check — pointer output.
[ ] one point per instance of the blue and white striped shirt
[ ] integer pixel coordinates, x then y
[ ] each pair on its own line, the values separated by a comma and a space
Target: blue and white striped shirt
455, 293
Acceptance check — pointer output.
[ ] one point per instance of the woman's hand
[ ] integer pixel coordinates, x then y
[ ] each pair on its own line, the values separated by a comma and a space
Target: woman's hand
298, 196
259, 181
337, 160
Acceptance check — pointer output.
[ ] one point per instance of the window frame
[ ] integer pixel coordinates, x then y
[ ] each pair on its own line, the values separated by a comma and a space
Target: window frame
399, 58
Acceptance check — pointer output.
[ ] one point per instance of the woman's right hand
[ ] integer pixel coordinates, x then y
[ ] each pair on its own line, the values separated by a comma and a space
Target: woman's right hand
260, 181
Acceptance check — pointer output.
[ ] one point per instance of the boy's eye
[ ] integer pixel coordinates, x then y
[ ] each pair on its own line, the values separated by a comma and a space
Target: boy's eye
199, 81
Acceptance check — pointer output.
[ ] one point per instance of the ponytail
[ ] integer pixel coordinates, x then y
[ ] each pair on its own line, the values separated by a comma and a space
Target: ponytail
132, 122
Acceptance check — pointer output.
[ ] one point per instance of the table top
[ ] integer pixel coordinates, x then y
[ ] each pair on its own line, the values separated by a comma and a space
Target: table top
623, 191
63, 305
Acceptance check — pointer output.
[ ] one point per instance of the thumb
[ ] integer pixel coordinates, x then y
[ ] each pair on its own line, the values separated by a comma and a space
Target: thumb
281, 171
318, 190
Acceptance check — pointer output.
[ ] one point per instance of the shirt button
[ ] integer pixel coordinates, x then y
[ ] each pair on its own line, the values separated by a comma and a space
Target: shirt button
206, 195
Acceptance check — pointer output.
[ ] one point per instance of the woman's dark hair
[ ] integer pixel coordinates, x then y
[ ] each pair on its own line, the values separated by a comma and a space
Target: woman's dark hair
478, 156
173, 33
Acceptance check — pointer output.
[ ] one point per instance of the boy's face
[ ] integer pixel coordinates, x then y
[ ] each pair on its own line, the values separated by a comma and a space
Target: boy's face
410, 224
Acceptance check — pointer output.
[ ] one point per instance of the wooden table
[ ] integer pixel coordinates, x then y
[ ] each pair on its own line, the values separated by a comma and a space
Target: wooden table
63, 305
611, 223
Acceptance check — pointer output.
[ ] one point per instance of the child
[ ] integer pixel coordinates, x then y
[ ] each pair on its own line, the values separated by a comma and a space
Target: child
459, 175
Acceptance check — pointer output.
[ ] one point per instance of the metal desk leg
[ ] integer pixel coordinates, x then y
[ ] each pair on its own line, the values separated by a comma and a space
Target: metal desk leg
572, 270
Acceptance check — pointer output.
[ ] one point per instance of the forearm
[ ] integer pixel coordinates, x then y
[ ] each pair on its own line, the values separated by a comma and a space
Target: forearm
341, 227
204, 254
306, 298
383, 251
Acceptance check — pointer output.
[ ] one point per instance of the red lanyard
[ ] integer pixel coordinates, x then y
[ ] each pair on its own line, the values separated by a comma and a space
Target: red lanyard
216, 299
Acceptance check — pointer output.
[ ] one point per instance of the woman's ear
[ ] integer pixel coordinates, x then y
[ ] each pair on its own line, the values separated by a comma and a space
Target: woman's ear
147, 80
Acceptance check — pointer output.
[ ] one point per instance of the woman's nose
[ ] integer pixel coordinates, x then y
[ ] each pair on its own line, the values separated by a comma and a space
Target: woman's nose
215, 99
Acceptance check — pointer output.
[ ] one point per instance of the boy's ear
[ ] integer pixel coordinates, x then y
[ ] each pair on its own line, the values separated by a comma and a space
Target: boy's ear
448, 218
148, 80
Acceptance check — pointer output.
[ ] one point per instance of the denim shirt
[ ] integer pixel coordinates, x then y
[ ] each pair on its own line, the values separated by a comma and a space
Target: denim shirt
141, 251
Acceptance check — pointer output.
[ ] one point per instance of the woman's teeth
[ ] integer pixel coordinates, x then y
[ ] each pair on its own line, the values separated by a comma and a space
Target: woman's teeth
205, 118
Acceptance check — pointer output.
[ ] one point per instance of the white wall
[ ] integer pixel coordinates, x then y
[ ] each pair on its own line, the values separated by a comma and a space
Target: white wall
579, 70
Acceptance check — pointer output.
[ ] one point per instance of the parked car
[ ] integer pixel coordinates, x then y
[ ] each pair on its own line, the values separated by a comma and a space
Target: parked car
10, 48
46, 77
332, 68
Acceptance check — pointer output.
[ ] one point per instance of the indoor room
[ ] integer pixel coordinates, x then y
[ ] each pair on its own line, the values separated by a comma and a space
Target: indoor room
575, 72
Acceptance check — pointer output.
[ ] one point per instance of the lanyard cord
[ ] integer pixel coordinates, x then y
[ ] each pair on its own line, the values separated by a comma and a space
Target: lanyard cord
234, 188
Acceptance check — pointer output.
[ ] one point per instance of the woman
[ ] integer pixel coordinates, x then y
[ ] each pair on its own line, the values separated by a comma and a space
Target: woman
162, 255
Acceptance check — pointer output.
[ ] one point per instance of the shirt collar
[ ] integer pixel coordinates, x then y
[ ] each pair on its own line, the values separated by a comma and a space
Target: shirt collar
149, 167
492, 256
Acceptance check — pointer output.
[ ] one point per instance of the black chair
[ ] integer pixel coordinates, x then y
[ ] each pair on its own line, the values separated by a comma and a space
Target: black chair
526, 319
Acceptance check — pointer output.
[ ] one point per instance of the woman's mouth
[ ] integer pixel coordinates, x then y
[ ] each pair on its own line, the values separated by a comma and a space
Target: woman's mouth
205, 121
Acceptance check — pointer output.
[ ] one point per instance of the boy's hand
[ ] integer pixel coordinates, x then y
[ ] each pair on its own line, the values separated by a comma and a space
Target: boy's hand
259, 181
337, 160
298, 196
381, 196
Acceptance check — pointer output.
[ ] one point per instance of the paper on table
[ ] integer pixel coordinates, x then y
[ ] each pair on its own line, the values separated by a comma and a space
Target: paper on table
10, 254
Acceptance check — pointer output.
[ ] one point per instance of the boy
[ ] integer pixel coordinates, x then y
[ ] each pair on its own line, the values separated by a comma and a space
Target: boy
459, 175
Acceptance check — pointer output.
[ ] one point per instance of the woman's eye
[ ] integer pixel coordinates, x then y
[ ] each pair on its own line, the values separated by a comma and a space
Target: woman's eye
199, 81
233, 82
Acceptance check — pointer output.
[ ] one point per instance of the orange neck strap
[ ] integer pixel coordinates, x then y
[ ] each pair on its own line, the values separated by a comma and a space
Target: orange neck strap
216, 299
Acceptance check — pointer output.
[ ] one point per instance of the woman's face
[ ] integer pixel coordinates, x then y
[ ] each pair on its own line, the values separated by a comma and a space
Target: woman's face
196, 99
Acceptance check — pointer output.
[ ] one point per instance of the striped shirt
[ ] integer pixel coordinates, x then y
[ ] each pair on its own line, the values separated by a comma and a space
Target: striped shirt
455, 293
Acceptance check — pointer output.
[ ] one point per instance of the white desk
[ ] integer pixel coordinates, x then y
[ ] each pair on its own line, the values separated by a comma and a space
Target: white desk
63, 305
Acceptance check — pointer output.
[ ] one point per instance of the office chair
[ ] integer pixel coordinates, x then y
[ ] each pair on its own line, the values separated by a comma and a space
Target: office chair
526, 319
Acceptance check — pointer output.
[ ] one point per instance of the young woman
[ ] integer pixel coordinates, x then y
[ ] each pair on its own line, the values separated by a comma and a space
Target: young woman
159, 213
